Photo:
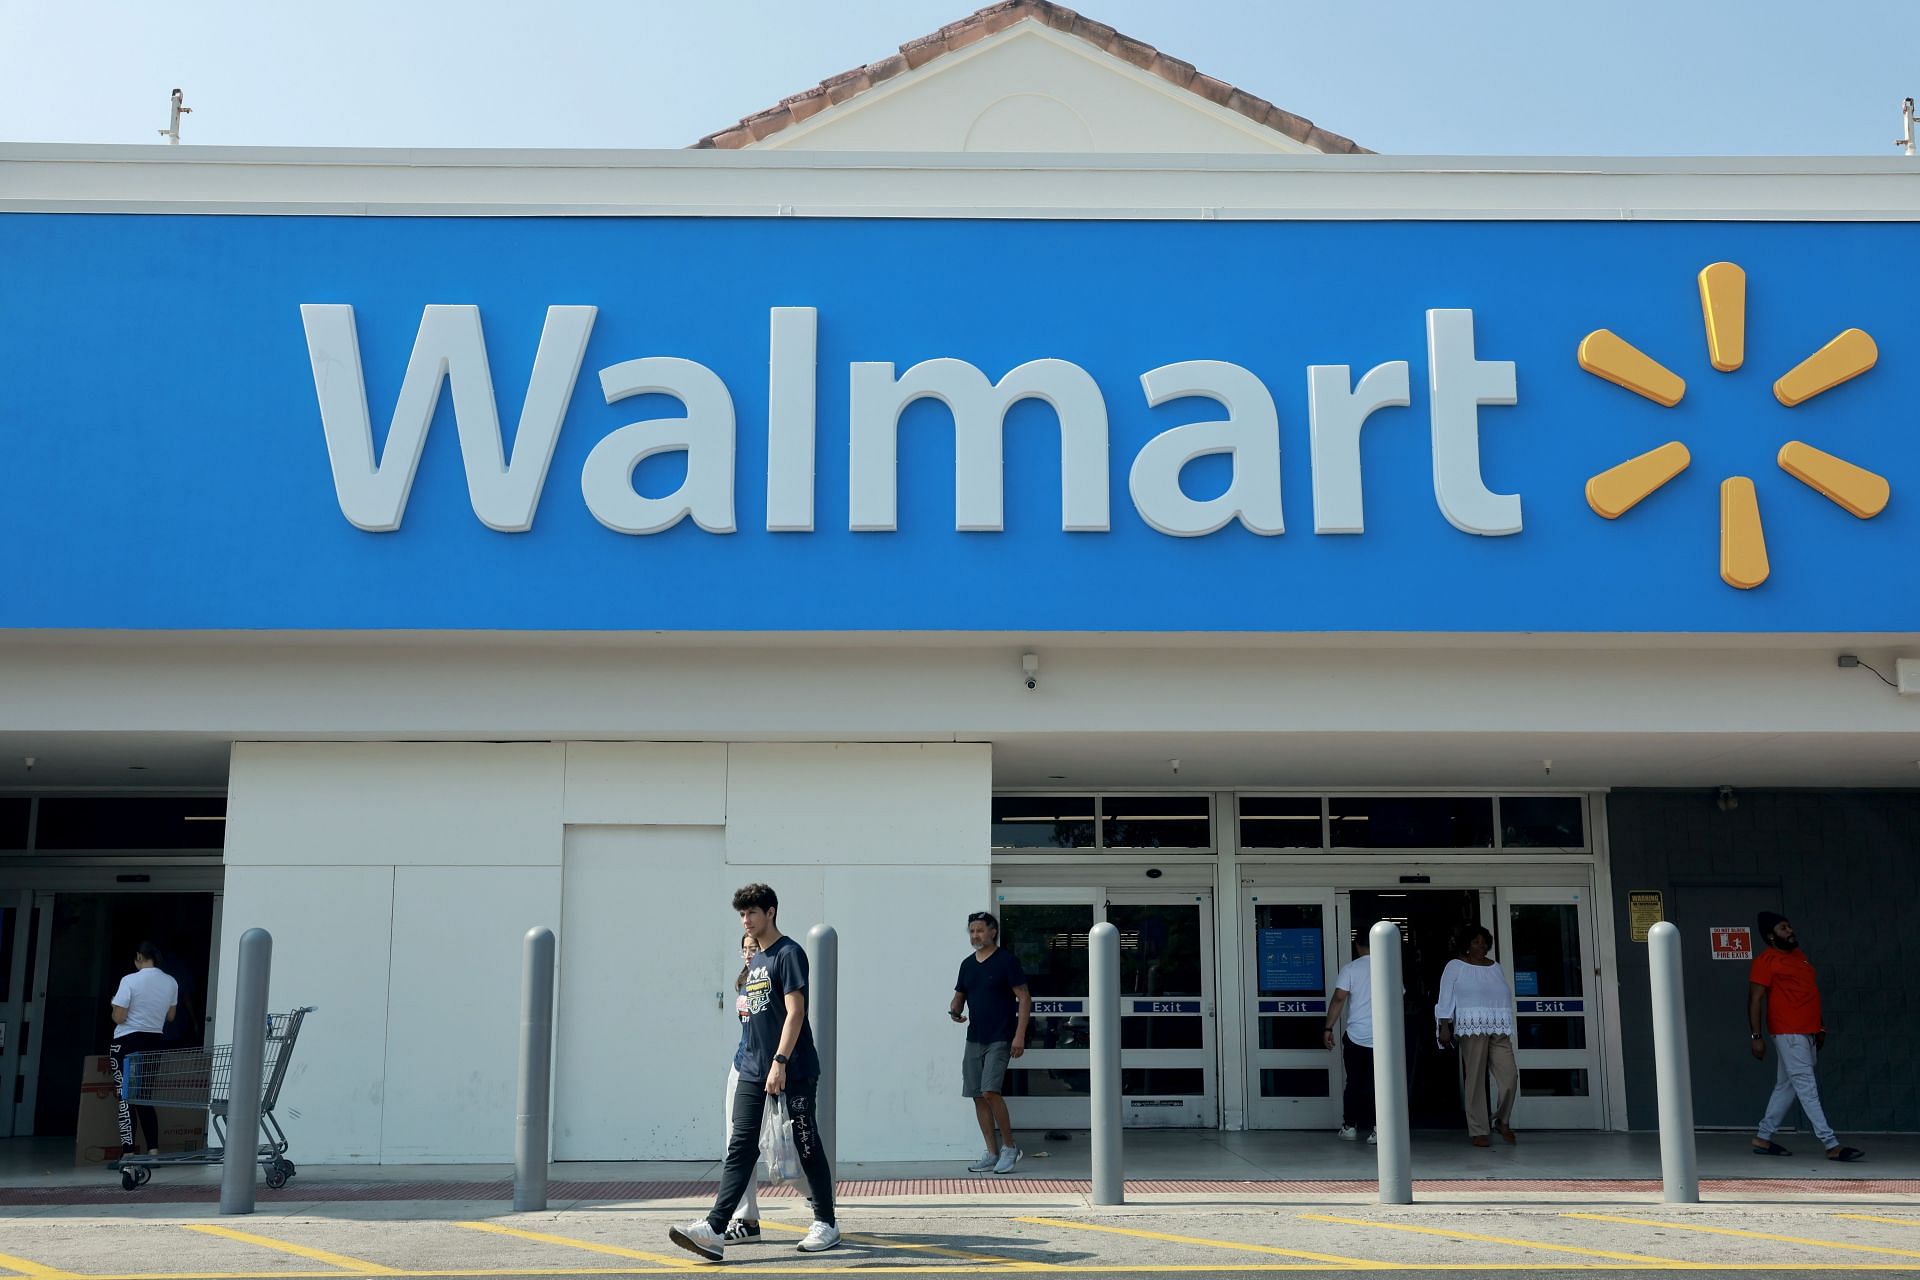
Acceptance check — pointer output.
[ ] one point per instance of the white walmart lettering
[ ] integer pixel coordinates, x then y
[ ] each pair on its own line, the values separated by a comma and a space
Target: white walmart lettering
450, 348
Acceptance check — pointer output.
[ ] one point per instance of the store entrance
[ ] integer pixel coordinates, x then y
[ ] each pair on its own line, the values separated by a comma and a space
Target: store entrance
1431, 923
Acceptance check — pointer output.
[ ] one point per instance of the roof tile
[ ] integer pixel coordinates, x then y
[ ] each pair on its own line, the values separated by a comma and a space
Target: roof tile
998, 17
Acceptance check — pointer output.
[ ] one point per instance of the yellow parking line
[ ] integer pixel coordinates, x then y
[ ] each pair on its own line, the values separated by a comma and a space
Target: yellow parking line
1746, 1235
356, 1265
1671, 1263
29, 1268
1142, 1269
939, 1251
613, 1250
1868, 1217
1200, 1240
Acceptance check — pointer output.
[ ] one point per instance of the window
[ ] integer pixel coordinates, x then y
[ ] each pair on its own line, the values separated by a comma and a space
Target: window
1281, 822
14, 817
1542, 822
1156, 822
1043, 822
81, 824
1411, 822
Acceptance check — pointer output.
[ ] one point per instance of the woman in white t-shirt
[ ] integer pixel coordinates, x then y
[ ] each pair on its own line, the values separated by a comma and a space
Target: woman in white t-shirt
1476, 1005
746, 1222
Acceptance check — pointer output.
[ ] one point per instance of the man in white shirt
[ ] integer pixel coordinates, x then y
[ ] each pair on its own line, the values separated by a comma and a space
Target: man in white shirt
1353, 990
142, 1008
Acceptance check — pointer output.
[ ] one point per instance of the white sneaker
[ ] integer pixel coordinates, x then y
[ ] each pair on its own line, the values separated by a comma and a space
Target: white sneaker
741, 1230
1373, 1138
1009, 1156
985, 1163
699, 1237
1349, 1134
821, 1236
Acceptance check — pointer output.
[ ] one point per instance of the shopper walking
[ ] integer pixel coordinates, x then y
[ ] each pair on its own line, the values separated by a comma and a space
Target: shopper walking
142, 1007
1476, 1005
1353, 993
992, 988
745, 1224
1781, 987
777, 1059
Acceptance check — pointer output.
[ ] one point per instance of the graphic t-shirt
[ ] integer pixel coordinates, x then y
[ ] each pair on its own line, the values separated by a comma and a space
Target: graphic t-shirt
993, 1014
146, 995
771, 974
1793, 998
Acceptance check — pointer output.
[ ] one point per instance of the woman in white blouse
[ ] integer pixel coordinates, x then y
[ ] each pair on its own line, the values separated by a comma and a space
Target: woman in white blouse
1476, 1004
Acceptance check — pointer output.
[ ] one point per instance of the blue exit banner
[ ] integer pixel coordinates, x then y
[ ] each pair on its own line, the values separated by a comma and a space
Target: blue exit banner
814, 425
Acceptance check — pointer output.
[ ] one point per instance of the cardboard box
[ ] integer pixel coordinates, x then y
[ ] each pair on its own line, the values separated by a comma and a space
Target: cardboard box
96, 1139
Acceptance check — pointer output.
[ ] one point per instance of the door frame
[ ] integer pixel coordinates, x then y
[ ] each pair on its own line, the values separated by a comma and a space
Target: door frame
1072, 1112
1547, 1112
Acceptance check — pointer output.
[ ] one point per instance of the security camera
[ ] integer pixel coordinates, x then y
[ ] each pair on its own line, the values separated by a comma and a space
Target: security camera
1728, 801
1030, 669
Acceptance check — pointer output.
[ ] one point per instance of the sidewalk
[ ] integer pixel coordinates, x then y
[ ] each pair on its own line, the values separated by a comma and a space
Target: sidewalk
1216, 1166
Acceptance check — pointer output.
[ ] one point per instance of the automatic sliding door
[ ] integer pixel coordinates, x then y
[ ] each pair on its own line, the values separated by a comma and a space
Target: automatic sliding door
1292, 1077
1167, 1056
1546, 945
1047, 1087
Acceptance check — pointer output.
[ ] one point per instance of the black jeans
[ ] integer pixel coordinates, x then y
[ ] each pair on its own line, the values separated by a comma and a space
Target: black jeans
743, 1148
1357, 1104
146, 1118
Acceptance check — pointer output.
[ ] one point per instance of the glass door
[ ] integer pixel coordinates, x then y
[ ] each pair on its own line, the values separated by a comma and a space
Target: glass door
1546, 946
1046, 929
17, 937
1292, 1077
1168, 1060
1167, 1054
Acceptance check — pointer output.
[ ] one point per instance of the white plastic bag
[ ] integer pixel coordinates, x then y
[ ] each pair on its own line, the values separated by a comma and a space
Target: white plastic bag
777, 1148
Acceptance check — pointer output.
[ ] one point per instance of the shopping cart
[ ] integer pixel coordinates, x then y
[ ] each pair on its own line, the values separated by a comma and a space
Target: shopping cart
202, 1080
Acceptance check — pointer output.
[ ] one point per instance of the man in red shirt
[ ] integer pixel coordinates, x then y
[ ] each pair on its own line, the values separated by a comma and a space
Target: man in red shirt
1781, 985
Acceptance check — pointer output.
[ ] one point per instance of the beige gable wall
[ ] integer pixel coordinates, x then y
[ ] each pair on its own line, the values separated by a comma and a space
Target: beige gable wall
1030, 88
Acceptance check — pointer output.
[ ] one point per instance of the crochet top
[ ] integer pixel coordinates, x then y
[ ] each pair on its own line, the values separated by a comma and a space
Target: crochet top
1476, 998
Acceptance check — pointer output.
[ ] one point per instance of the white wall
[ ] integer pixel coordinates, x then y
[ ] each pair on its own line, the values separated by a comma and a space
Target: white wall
1031, 89
398, 880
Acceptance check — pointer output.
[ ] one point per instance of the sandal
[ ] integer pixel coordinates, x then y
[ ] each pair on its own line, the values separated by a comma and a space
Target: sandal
1481, 1142
1846, 1155
1507, 1133
1771, 1149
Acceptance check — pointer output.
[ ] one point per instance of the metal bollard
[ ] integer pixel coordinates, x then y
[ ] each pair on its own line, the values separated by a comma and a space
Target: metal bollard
1395, 1141
1103, 1027
532, 1119
823, 1013
240, 1162
1672, 1072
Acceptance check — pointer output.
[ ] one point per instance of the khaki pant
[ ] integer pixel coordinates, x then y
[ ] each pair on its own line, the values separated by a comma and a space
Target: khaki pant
1477, 1054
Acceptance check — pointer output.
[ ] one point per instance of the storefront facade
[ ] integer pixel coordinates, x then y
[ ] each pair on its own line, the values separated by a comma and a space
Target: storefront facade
1235, 551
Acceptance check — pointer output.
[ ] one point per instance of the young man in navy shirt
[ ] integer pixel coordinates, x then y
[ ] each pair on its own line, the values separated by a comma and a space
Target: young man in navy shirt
993, 987
776, 1057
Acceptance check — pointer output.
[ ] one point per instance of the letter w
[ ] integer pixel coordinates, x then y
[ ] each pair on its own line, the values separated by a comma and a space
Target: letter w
449, 347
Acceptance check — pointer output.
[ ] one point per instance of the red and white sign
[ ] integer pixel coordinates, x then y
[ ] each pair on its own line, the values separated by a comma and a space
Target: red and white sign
1733, 942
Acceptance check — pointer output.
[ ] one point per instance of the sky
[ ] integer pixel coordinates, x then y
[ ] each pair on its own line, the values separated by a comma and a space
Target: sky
1437, 77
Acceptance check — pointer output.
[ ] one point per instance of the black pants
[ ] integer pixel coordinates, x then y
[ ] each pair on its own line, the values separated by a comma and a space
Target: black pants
1357, 1104
145, 1117
743, 1148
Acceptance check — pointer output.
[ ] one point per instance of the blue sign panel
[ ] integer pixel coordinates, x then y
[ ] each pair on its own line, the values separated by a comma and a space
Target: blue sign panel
1526, 982
1293, 1006
1551, 1006
1163, 1006
1059, 1006
1291, 960
721, 424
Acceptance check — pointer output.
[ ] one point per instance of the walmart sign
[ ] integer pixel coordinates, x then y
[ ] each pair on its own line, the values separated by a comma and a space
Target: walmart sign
919, 425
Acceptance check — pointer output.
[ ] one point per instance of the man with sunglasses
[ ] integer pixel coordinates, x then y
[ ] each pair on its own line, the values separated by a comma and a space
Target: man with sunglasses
993, 989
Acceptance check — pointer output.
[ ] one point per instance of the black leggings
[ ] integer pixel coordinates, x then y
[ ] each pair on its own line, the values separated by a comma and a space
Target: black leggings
1357, 1105
743, 1148
147, 1119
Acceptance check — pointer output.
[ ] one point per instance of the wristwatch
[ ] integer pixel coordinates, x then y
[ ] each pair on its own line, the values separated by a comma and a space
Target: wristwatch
1758, 1036
780, 1058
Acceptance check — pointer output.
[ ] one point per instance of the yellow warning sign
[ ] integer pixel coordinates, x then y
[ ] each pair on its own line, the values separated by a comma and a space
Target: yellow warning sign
1645, 909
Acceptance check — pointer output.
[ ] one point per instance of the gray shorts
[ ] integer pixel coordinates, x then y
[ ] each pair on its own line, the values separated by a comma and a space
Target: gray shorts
984, 1069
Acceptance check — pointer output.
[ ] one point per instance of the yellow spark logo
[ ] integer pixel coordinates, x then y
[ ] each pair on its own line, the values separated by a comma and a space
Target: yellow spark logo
1723, 306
